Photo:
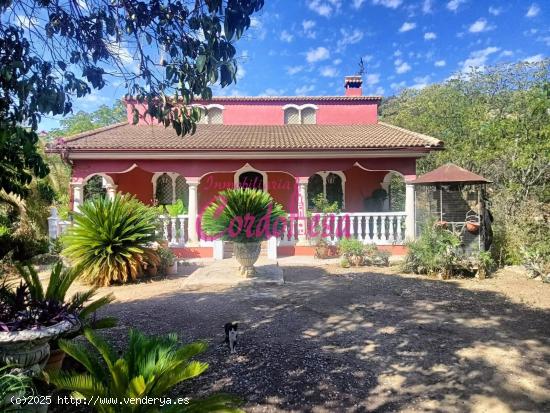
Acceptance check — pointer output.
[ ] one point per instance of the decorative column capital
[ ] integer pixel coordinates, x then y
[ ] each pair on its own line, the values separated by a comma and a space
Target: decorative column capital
302, 180
192, 180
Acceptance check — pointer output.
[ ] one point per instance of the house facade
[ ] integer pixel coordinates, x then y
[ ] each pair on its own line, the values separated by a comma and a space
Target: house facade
294, 147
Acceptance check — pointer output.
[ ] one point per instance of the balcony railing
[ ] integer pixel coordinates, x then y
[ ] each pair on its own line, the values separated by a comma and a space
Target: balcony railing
368, 227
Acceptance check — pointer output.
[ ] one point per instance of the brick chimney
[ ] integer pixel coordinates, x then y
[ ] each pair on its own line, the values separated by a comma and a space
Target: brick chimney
353, 85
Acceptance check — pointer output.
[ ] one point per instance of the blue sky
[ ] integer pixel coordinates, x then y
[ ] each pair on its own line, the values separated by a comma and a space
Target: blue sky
306, 47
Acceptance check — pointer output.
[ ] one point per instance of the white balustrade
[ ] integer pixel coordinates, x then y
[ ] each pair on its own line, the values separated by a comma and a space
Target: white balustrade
174, 229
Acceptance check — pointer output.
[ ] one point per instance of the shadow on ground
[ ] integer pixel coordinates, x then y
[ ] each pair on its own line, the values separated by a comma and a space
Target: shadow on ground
359, 342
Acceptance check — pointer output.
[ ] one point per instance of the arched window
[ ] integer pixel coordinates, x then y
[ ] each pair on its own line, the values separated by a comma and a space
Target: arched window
204, 117
314, 188
164, 191
292, 116
182, 190
334, 191
94, 188
215, 116
251, 179
309, 116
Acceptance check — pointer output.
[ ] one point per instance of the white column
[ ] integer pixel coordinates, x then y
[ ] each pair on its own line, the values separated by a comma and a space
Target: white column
53, 220
217, 249
302, 210
192, 208
111, 191
409, 209
272, 248
78, 194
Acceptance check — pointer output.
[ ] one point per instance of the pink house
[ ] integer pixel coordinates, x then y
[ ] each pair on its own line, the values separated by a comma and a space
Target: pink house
294, 147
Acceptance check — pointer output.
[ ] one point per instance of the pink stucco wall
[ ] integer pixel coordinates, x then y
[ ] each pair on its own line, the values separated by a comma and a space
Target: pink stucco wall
137, 182
359, 185
271, 112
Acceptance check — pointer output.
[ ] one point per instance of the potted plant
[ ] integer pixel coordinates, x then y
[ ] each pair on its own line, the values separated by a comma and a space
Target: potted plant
352, 249
245, 216
168, 264
82, 305
27, 326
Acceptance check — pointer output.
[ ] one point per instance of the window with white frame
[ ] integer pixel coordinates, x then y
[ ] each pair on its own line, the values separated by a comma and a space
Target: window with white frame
300, 115
331, 185
211, 115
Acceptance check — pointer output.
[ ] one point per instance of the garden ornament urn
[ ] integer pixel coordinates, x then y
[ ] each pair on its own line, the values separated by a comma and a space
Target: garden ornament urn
29, 350
247, 254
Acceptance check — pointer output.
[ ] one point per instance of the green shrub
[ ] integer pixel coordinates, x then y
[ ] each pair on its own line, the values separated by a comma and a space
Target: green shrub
242, 215
344, 262
349, 247
81, 304
434, 252
178, 208
322, 205
374, 256
150, 367
109, 239
167, 258
12, 384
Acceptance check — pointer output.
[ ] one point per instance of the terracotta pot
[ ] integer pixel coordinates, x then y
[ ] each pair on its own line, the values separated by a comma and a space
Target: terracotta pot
247, 254
55, 361
472, 227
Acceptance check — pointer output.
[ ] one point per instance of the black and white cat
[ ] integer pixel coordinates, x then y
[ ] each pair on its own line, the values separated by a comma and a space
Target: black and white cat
231, 336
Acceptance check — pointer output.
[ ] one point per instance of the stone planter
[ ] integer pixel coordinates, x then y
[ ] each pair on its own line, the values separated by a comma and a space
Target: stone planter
247, 254
29, 350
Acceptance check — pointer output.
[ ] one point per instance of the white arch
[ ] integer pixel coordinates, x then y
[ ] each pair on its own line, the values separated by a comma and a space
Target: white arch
215, 106
341, 174
248, 168
293, 106
385, 185
107, 180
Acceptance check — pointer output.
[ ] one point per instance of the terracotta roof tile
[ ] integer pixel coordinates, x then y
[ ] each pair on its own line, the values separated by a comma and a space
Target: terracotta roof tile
249, 137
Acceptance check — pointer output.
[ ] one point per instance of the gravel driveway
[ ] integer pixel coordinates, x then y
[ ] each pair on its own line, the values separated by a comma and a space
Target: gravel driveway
335, 340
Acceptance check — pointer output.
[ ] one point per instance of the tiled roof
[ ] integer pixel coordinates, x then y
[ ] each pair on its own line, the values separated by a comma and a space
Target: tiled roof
123, 137
342, 98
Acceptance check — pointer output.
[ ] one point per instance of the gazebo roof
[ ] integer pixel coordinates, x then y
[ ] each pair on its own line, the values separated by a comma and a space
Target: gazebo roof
450, 174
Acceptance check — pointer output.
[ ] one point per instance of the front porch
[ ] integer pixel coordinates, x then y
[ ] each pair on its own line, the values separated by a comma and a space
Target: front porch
350, 183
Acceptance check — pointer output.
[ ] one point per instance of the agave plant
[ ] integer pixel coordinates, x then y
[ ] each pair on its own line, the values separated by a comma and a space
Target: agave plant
150, 367
81, 303
12, 384
243, 215
109, 239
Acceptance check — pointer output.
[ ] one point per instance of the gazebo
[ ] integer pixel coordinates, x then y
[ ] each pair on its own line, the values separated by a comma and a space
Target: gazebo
455, 198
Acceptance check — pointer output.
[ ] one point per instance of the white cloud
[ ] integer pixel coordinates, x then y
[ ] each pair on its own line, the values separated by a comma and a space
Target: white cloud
427, 6
430, 36
258, 28
379, 90
506, 53
324, 8
329, 71
478, 58
440, 63
480, 25
348, 38
533, 10
495, 11
318, 54
453, 5
372, 79
402, 67
391, 4
241, 72
292, 70
399, 85
534, 59
304, 90
307, 26
407, 27
286, 36
421, 82
357, 3
25, 22
273, 92
337, 61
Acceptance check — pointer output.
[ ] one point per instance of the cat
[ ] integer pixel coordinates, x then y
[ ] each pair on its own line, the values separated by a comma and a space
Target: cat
231, 336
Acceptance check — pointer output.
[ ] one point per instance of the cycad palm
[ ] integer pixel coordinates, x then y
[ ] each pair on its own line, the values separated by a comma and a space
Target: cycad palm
109, 239
151, 367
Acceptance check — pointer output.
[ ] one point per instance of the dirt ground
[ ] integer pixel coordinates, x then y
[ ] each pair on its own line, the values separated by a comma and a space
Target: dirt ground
360, 340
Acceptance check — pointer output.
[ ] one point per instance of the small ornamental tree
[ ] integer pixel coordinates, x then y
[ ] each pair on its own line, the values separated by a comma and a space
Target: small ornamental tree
166, 52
